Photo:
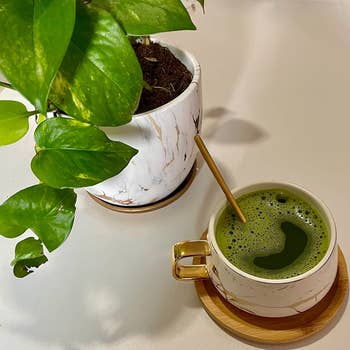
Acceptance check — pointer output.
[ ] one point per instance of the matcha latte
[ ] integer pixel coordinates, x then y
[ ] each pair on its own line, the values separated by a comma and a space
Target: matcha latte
284, 236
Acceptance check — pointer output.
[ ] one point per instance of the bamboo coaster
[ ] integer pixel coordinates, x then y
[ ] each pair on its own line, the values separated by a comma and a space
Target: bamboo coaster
154, 206
274, 330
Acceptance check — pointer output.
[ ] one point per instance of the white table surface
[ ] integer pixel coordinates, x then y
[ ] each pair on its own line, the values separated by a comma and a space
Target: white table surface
276, 88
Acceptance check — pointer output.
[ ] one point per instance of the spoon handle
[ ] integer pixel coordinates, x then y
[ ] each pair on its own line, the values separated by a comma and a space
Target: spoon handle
214, 169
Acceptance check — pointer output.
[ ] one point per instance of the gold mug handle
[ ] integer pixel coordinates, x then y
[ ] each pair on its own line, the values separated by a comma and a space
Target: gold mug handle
187, 249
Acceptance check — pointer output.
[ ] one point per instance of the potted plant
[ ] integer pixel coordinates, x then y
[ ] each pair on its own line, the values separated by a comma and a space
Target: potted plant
75, 59
163, 137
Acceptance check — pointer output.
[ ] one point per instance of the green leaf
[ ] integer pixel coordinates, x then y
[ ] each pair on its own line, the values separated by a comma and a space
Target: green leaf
144, 17
48, 212
13, 121
28, 254
100, 80
34, 38
82, 153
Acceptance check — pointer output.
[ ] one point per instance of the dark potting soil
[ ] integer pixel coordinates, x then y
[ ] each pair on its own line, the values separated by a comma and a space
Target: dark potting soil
164, 73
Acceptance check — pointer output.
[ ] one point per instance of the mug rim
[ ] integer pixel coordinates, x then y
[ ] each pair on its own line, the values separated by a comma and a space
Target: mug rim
320, 205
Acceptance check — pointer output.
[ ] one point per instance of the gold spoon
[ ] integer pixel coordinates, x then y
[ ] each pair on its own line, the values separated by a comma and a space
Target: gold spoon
220, 180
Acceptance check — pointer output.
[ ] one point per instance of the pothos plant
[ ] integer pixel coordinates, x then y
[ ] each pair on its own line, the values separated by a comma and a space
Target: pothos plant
70, 57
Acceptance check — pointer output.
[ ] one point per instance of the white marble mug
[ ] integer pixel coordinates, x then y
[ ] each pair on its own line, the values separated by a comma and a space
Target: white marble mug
256, 295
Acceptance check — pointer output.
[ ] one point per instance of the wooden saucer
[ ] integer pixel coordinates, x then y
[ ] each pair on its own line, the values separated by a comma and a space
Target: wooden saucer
154, 206
274, 330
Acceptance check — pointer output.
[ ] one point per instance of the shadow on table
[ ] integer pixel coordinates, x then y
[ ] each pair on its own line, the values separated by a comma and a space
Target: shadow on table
223, 127
102, 287
107, 289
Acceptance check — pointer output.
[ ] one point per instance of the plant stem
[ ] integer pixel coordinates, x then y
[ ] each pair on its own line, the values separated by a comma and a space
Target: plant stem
30, 113
6, 85
162, 88
146, 40
147, 86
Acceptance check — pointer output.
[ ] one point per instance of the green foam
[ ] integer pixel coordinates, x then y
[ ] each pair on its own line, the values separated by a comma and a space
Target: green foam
284, 236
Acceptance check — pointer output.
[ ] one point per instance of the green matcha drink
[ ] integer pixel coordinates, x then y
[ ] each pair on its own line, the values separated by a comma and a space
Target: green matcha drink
284, 236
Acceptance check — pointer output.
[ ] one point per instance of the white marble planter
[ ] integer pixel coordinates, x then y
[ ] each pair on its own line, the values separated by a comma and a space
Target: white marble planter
164, 139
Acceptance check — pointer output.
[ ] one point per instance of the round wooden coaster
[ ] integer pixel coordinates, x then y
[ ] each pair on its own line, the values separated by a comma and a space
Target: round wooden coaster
154, 206
274, 330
